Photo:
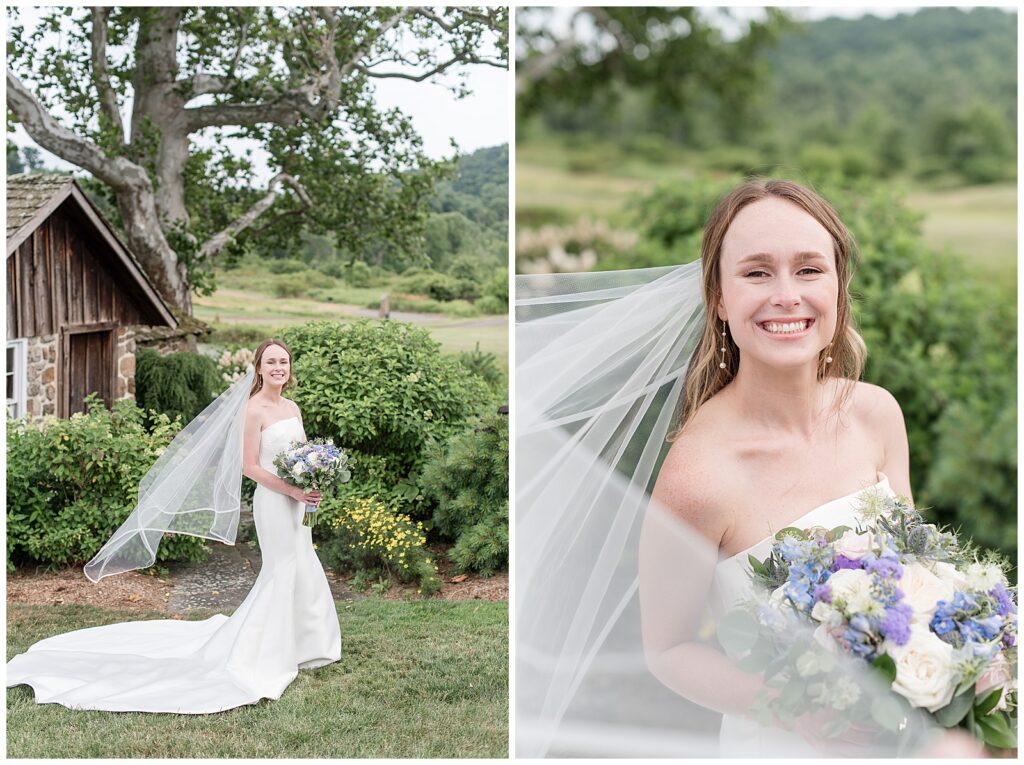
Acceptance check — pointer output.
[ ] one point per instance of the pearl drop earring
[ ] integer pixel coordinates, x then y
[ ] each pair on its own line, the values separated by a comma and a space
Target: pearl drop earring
721, 364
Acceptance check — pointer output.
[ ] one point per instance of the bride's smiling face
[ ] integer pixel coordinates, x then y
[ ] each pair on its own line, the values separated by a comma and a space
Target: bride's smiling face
275, 366
779, 285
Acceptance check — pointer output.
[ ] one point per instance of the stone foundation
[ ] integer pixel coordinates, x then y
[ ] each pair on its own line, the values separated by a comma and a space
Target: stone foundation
124, 359
41, 377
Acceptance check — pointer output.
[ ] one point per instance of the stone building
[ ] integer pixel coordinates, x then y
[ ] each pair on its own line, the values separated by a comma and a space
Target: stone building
78, 302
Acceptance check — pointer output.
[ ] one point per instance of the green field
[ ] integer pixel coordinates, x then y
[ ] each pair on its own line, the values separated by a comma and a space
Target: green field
563, 183
249, 316
416, 679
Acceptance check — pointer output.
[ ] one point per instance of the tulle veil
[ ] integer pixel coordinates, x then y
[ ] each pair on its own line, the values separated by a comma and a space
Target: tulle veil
600, 572
193, 488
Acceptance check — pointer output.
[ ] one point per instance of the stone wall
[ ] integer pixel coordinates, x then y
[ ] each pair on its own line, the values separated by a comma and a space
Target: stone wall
41, 377
124, 360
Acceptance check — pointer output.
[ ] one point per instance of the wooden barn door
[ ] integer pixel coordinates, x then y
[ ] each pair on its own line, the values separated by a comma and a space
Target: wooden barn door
89, 368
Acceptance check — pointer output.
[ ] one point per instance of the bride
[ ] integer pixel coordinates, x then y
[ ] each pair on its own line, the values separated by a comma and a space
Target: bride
286, 622
670, 421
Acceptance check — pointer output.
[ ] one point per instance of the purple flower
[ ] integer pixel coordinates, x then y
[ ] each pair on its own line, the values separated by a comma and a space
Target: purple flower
1004, 602
842, 562
822, 593
896, 623
886, 568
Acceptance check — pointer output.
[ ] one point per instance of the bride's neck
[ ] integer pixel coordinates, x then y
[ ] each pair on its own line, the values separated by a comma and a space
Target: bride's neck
791, 400
270, 396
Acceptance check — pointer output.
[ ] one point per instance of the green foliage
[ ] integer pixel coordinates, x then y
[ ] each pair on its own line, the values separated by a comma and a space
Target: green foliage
491, 304
365, 535
485, 366
365, 177
287, 266
359, 274
496, 290
71, 483
179, 384
293, 285
469, 480
438, 286
383, 391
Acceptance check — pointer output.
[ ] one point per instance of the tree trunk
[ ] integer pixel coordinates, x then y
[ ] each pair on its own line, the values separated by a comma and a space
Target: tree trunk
147, 241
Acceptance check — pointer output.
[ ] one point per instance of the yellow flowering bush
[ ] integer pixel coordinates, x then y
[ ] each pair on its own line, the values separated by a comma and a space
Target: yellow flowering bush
365, 534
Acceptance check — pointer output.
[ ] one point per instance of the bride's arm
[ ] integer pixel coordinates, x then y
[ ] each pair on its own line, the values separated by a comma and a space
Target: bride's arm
678, 553
251, 467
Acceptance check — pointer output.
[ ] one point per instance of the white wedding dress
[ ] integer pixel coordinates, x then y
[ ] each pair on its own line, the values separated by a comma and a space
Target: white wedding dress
286, 622
742, 736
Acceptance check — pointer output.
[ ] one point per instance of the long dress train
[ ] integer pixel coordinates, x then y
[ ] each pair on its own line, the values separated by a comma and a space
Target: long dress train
286, 622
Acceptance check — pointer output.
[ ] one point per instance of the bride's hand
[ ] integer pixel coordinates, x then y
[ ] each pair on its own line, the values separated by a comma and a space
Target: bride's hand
306, 497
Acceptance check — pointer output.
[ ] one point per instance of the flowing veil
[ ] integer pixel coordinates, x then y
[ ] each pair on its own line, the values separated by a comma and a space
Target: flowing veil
602, 574
193, 488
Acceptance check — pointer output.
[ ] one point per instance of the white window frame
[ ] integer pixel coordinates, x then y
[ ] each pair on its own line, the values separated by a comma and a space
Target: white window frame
16, 406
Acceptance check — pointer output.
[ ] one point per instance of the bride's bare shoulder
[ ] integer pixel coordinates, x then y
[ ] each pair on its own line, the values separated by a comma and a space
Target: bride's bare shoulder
876, 407
693, 479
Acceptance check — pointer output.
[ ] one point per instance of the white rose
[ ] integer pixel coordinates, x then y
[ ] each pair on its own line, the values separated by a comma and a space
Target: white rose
297, 469
850, 584
778, 597
925, 675
984, 578
823, 612
853, 545
949, 573
922, 590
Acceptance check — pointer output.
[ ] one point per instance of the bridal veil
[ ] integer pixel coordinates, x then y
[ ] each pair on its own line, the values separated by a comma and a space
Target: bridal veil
600, 366
193, 488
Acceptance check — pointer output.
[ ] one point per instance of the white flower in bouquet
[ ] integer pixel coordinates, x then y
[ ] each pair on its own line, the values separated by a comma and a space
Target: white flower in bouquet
983, 577
925, 673
297, 469
950, 574
923, 590
853, 545
850, 584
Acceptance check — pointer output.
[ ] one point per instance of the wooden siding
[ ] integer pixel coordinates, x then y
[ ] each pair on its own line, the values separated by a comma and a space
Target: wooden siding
90, 369
57, 278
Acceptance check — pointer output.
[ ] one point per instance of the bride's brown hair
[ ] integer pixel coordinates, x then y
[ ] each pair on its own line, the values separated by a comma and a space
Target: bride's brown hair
704, 377
257, 380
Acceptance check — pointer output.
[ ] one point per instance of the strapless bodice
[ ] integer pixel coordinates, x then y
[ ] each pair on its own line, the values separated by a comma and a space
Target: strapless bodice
277, 437
732, 575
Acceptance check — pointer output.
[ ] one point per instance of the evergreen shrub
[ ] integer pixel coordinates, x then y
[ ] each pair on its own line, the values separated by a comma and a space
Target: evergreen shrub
468, 478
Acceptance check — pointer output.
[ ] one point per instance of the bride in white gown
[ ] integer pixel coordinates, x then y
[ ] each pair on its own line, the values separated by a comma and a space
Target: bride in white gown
286, 622
747, 362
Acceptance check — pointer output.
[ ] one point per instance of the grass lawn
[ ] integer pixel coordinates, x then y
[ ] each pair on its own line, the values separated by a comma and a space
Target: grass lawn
416, 679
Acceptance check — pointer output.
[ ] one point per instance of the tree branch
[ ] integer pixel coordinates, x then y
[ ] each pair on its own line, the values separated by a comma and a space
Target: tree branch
219, 241
108, 99
119, 173
465, 59
315, 99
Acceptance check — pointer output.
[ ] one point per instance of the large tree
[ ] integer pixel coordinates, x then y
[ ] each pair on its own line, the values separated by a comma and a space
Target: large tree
569, 59
123, 93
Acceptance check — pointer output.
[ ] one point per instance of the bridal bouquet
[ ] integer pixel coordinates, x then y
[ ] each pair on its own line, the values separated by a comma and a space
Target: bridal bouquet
314, 465
934, 618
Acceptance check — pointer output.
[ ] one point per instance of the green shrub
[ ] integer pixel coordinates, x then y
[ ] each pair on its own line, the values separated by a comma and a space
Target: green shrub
461, 308
179, 384
383, 391
496, 288
293, 285
469, 480
285, 266
365, 535
491, 305
466, 267
334, 269
359, 274
438, 286
71, 483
